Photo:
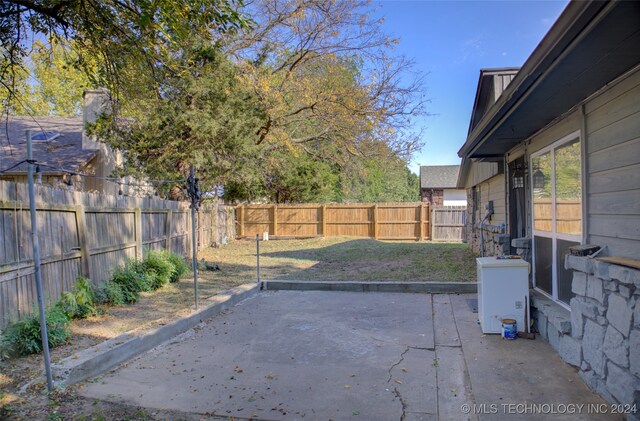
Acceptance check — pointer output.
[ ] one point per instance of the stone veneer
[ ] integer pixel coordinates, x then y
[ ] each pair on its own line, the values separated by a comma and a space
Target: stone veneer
496, 240
601, 333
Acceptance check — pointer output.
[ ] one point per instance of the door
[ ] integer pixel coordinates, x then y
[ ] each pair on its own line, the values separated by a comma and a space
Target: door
555, 180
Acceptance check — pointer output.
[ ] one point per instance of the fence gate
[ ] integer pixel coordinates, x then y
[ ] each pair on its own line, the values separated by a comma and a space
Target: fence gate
449, 223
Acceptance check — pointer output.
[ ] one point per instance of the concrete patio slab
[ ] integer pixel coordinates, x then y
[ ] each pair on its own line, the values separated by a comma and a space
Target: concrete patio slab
508, 377
293, 355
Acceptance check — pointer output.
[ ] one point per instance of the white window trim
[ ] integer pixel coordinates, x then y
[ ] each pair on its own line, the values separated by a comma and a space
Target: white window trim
552, 234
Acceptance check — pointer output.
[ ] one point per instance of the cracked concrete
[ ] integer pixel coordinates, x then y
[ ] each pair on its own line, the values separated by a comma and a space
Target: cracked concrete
344, 356
289, 356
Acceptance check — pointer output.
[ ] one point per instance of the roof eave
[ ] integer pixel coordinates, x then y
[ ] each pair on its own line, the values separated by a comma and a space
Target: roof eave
572, 20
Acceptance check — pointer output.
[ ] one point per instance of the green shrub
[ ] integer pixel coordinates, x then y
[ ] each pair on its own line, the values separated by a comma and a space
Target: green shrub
158, 267
78, 303
132, 280
180, 266
23, 337
111, 293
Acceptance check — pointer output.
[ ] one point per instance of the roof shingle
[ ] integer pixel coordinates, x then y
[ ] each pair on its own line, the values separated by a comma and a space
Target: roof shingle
439, 176
65, 152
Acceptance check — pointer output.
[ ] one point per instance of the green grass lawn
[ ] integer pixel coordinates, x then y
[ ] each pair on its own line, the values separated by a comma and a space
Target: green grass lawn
344, 259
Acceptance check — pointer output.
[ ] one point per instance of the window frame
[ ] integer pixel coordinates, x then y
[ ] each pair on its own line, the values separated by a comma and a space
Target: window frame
553, 234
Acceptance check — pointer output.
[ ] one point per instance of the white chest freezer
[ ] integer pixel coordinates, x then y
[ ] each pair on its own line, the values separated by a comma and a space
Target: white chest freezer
503, 292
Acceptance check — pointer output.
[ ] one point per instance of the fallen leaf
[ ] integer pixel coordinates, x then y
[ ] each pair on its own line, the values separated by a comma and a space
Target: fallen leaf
398, 381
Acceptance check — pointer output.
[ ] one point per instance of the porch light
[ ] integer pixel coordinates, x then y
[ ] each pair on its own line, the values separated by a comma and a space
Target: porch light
538, 180
518, 177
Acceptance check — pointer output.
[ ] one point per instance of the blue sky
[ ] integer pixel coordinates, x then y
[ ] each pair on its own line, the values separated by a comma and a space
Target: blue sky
451, 41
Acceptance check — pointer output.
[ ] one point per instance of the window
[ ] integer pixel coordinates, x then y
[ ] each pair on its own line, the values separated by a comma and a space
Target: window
557, 214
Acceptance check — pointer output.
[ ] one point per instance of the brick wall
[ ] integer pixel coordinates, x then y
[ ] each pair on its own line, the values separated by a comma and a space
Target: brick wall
433, 197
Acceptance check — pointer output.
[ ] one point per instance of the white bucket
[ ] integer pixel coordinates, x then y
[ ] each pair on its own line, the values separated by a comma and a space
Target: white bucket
509, 329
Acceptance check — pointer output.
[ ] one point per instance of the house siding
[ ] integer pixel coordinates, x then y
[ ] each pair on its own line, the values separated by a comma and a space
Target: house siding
599, 331
610, 132
455, 198
612, 142
481, 171
613, 163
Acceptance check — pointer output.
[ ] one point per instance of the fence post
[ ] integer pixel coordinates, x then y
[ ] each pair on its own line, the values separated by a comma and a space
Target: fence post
275, 220
324, 220
138, 233
241, 220
215, 223
167, 230
81, 222
432, 219
201, 216
421, 221
375, 221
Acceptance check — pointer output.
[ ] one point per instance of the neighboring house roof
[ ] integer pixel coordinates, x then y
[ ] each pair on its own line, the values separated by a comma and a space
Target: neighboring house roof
590, 44
64, 152
439, 176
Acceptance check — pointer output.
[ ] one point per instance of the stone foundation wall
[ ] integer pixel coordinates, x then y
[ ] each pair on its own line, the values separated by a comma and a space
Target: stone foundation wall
601, 333
496, 242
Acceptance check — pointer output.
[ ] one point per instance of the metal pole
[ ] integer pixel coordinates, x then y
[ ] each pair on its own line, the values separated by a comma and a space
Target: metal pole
36, 263
258, 256
194, 244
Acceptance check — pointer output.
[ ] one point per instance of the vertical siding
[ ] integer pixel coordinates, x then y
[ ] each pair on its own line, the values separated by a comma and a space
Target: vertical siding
613, 147
494, 189
481, 171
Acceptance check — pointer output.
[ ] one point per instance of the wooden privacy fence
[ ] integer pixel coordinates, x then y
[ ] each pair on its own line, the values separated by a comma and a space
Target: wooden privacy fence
384, 221
448, 223
568, 215
90, 235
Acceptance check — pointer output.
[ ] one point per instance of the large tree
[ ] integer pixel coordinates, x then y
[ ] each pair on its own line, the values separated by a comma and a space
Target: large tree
328, 74
52, 85
122, 36
203, 117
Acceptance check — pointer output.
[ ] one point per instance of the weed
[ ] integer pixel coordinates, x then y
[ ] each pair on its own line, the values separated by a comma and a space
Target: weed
110, 293
158, 267
132, 280
23, 337
180, 266
78, 303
